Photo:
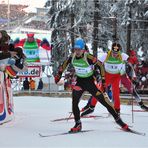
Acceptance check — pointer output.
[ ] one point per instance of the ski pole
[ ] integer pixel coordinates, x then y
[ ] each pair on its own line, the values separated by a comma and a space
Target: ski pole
69, 116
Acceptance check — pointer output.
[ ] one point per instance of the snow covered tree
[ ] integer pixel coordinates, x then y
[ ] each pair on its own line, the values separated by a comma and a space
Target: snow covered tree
97, 21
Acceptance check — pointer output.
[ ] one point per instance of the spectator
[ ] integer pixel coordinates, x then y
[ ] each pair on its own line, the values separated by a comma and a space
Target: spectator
40, 85
32, 84
4, 47
26, 84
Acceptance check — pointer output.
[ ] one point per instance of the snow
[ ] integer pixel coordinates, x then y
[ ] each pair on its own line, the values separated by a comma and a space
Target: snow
33, 115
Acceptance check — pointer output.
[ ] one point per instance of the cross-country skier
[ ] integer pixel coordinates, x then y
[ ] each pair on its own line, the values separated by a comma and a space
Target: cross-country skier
84, 64
127, 75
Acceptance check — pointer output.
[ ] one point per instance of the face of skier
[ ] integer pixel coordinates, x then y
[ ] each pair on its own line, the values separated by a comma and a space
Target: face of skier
30, 37
115, 51
78, 52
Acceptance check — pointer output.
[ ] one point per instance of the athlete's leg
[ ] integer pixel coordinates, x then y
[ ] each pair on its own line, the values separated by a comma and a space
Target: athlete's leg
76, 95
116, 92
104, 100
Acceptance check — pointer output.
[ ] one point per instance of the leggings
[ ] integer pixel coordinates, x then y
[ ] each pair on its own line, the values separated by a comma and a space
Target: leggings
87, 84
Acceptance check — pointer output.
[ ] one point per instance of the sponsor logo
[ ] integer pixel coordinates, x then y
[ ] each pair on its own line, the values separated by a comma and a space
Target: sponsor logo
32, 71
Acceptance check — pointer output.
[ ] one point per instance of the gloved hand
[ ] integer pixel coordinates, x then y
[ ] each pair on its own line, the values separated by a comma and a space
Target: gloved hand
103, 86
57, 78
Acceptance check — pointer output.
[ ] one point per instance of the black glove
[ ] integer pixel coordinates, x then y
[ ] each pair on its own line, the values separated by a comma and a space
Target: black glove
57, 78
103, 85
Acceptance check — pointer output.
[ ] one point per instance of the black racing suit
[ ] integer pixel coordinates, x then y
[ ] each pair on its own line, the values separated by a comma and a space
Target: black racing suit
87, 84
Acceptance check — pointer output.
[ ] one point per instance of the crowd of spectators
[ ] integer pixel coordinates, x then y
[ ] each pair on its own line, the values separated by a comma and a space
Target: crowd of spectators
16, 12
36, 24
142, 76
31, 84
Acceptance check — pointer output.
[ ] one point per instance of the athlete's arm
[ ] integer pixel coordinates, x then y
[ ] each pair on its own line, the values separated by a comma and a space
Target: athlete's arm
98, 65
64, 65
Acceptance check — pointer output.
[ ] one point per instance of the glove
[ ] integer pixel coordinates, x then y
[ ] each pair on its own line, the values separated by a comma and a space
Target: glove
103, 86
57, 78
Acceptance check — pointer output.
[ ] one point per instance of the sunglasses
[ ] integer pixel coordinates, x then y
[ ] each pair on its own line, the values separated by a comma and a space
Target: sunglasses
115, 48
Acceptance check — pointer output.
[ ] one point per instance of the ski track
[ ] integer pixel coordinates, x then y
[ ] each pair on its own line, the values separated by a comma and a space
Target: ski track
33, 115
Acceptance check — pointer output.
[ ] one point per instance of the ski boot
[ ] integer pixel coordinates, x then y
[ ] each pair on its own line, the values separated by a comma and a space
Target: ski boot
123, 125
143, 106
76, 128
85, 107
88, 110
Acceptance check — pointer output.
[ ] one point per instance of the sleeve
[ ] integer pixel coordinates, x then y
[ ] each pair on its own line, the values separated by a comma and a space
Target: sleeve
98, 65
102, 57
64, 65
5, 55
22, 67
133, 74
124, 56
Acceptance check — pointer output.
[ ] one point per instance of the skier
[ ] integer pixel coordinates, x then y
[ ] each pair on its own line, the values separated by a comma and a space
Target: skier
113, 61
128, 75
84, 64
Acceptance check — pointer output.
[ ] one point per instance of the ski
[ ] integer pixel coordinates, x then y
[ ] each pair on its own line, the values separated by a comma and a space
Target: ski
133, 131
64, 133
109, 115
70, 118
138, 110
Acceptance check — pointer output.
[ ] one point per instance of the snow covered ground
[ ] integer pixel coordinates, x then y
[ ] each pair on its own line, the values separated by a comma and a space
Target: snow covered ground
33, 115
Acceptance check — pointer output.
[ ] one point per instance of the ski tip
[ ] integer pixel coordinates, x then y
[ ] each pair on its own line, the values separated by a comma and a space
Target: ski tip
41, 135
133, 131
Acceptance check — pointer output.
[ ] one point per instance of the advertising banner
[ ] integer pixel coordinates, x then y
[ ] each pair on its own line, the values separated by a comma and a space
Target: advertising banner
36, 47
32, 71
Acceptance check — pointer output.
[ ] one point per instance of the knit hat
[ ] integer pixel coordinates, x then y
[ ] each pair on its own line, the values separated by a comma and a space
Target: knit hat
79, 43
30, 35
132, 52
